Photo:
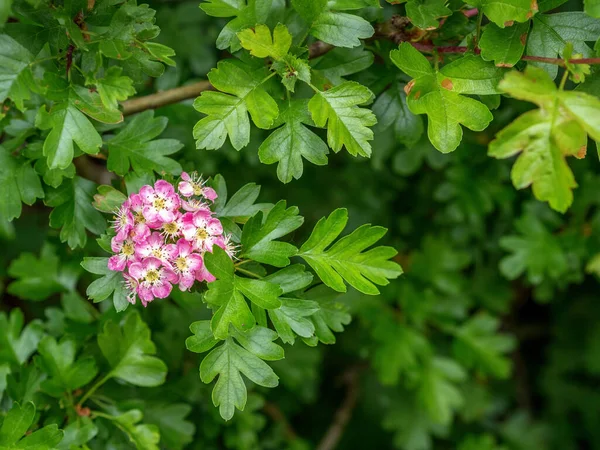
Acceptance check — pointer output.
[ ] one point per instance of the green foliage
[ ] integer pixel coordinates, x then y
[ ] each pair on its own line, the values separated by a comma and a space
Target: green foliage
130, 351
431, 89
15, 426
135, 146
346, 260
546, 136
471, 349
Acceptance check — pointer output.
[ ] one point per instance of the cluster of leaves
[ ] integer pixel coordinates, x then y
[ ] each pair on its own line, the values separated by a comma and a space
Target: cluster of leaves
434, 352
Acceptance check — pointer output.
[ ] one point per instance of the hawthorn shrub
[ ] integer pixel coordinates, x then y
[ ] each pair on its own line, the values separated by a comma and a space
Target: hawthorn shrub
205, 216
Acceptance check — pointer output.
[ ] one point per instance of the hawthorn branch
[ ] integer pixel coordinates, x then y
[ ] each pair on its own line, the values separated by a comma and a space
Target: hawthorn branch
396, 29
163, 98
178, 94
344, 412
459, 49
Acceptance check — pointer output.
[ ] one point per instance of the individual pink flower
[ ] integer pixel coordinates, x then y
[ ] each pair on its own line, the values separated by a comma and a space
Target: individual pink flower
124, 221
125, 253
194, 185
160, 202
153, 278
153, 246
173, 229
185, 262
202, 230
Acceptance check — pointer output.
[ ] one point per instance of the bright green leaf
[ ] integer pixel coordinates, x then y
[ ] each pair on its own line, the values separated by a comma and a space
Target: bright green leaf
135, 146
347, 123
435, 94
129, 351
346, 260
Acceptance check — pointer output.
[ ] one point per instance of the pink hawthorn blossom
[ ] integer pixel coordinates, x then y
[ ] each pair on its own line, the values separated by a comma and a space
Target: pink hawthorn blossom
162, 236
153, 278
160, 202
202, 230
194, 185
185, 262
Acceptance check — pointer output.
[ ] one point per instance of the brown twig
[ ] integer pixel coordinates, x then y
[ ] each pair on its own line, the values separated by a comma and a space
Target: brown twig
273, 411
344, 413
163, 98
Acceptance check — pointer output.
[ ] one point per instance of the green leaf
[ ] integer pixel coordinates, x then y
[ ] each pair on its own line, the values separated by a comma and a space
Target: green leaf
108, 199
426, 13
112, 283
16, 77
331, 316
347, 123
37, 279
130, 351
292, 69
20, 184
76, 308
78, 433
545, 137
258, 236
592, 8
227, 293
260, 43
437, 94
505, 12
346, 260
227, 111
551, 33
535, 251
309, 10
504, 46
437, 391
143, 436
15, 426
203, 339
341, 29
73, 211
65, 372
478, 345
290, 143
292, 318
392, 111
68, 126
135, 146
18, 343
228, 362
175, 432
114, 87
341, 62
399, 349
240, 207
480, 442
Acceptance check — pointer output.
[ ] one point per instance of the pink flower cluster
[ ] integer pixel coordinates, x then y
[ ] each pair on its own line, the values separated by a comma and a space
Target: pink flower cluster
162, 235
